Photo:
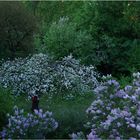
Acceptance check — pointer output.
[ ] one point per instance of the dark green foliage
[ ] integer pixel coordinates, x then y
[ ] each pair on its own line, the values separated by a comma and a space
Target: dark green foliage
103, 33
115, 28
62, 39
50, 11
6, 105
17, 26
70, 114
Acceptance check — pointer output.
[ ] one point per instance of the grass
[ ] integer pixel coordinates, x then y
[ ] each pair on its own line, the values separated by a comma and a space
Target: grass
125, 80
70, 114
6, 105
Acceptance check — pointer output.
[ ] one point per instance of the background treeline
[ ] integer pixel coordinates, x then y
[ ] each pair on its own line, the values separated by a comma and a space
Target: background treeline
105, 34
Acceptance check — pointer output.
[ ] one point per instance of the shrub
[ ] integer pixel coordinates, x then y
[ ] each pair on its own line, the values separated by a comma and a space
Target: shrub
115, 30
62, 38
6, 104
50, 11
116, 111
17, 26
30, 125
40, 74
38, 43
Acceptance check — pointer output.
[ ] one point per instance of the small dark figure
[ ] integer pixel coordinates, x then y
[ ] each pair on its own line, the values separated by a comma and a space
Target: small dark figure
35, 102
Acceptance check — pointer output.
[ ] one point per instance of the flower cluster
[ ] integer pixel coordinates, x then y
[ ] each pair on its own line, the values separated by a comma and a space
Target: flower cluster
35, 125
80, 135
40, 74
115, 113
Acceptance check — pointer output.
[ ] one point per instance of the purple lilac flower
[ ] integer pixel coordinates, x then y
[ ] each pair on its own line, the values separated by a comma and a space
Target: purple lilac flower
132, 125
138, 128
100, 89
114, 82
128, 88
125, 114
132, 138
22, 124
117, 138
3, 134
137, 91
92, 136
74, 136
136, 83
78, 135
121, 93
138, 111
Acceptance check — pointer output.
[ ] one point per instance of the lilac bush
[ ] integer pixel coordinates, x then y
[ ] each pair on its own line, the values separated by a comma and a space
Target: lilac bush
39, 74
80, 135
115, 112
73, 77
21, 125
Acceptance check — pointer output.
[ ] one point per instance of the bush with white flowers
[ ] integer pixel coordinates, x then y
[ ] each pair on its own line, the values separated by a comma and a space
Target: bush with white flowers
115, 113
22, 125
40, 74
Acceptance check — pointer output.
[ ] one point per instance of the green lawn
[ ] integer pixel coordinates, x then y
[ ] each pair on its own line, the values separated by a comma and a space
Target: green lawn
69, 114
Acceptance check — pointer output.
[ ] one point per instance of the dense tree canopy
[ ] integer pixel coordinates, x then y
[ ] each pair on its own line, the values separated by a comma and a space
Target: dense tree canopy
105, 34
112, 29
17, 26
64, 56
